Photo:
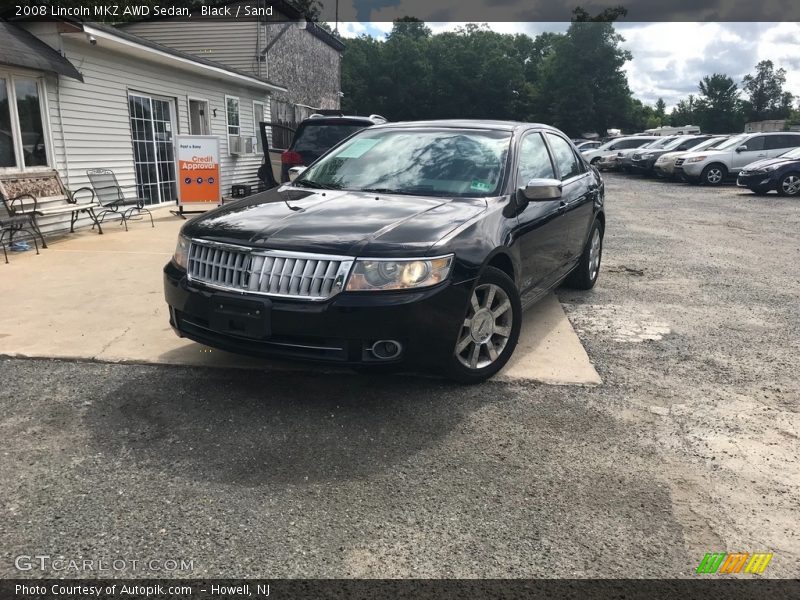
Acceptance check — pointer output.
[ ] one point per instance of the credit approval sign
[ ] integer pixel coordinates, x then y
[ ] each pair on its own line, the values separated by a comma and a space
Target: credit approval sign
198, 170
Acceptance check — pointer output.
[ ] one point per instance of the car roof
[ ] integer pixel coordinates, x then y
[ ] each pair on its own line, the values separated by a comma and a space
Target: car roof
469, 124
328, 119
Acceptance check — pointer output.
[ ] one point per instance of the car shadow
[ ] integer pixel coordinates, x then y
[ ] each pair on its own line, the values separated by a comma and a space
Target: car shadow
252, 428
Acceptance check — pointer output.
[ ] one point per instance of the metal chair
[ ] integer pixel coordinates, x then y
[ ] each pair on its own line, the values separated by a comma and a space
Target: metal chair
16, 224
111, 198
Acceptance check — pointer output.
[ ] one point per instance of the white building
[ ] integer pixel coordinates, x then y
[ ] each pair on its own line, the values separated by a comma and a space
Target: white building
81, 96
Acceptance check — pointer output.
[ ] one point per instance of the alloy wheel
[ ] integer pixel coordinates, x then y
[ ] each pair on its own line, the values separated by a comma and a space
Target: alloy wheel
714, 175
487, 328
594, 254
791, 185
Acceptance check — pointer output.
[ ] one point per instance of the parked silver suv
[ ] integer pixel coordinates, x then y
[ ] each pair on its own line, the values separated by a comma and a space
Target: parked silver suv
712, 167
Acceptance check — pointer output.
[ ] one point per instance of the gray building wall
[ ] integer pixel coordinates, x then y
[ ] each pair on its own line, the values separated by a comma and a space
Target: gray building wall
299, 60
89, 122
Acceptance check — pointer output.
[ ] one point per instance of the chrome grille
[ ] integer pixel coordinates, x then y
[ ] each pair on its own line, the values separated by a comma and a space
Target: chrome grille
679, 161
268, 272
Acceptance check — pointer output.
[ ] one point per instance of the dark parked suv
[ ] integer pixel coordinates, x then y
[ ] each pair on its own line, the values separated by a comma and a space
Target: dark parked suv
416, 243
318, 134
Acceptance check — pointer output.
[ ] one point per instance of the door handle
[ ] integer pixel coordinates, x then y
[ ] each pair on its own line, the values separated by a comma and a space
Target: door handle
562, 206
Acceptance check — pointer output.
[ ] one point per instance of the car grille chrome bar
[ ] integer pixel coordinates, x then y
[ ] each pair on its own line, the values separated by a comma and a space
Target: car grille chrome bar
679, 162
268, 272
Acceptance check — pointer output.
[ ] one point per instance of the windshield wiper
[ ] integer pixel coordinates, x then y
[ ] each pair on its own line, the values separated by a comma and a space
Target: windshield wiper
313, 184
418, 191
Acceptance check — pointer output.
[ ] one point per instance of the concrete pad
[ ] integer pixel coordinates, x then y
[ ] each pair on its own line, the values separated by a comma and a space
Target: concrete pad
100, 297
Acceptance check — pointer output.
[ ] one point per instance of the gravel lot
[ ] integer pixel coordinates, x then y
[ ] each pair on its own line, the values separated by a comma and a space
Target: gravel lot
690, 446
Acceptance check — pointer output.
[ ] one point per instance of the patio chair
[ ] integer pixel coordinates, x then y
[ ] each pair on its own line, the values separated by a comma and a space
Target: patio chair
112, 199
17, 224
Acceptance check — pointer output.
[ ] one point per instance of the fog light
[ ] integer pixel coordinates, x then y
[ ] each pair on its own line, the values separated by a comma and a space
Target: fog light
386, 349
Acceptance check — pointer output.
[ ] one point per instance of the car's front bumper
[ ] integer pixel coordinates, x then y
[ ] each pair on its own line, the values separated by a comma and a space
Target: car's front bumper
608, 163
644, 165
664, 169
339, 330
693, 169
757, 181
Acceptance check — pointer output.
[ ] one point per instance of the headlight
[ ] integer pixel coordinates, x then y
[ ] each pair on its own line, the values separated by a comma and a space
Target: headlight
662, 160
181, 256
696, 159
646, 156
769, 168
373, 274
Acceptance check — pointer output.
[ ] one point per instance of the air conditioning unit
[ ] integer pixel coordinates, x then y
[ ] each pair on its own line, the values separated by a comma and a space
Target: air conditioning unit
240, 144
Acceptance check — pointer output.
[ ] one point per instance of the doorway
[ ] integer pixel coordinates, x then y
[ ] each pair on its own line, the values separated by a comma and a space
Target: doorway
152, 127
198, 117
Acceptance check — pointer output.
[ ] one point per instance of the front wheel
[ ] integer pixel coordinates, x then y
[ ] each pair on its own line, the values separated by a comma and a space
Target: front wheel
490, 331
584, 276
789, 185
713, 175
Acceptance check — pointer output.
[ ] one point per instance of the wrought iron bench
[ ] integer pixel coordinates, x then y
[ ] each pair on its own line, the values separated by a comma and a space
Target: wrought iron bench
110, 196
42, 194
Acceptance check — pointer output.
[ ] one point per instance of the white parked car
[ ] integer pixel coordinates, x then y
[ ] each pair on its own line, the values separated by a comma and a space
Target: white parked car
712, 167
615, 145
665, 164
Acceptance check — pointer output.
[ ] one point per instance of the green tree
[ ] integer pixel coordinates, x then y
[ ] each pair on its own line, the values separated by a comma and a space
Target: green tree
719, 108
684, 112
661, 112
766, 98
583, 86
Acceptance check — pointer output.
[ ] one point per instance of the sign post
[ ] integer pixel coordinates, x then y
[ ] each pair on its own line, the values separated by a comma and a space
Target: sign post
198, 173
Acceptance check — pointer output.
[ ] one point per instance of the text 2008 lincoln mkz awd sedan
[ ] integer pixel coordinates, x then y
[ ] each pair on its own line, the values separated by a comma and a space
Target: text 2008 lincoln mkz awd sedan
409, 243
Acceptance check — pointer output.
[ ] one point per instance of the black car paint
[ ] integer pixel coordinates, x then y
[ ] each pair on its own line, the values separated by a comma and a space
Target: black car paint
759, 181
539, 243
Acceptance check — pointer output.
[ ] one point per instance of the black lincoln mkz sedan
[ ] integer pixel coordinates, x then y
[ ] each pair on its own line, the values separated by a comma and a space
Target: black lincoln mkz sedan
408, 243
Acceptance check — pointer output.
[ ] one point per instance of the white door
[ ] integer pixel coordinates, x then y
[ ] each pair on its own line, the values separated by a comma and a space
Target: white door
755, 151
153, 126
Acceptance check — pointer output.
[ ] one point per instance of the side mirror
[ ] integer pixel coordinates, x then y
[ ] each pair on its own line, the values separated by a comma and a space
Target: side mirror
295, 172
542, 190
742, 148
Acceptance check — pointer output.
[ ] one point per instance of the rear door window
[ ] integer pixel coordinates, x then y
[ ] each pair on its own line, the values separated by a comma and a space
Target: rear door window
776, 142
317, 138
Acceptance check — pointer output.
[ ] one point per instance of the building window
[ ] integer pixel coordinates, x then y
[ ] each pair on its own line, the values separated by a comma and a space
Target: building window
23, 141
8, 156
232, 110
258, 117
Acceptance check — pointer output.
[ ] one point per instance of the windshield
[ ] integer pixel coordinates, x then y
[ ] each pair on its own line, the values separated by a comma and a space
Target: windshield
662, 143
674, 143
709, 143
430, 162
794, 153
732, 142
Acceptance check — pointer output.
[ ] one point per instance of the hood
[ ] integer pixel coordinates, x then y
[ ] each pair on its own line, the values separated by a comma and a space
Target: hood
336, 222
760, 164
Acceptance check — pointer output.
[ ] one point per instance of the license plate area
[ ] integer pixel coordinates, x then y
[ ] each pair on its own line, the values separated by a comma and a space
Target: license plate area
242, 317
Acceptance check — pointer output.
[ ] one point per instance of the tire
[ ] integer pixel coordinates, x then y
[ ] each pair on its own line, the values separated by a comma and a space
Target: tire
495, 300
714, 174
584, 276
789, 185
